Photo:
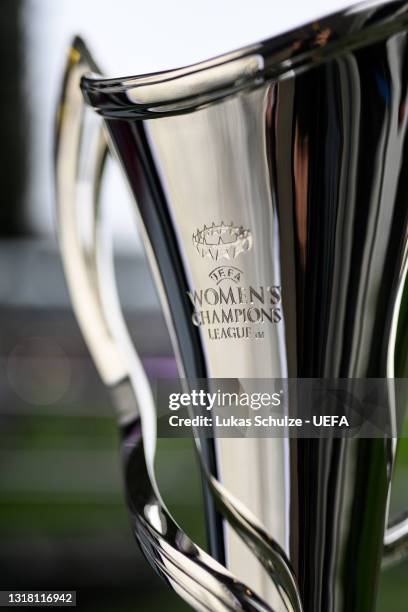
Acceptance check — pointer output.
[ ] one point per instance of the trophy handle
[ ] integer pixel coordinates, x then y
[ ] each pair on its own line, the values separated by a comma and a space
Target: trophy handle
396, 541
81, 148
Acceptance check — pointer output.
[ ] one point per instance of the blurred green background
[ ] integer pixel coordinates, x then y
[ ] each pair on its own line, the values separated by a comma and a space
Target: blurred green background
63, 520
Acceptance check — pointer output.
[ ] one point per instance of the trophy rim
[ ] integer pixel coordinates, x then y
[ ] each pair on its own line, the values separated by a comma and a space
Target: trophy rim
181, 90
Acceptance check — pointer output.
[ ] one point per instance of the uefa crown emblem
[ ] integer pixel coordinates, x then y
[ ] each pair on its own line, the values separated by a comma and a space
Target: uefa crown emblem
222, 241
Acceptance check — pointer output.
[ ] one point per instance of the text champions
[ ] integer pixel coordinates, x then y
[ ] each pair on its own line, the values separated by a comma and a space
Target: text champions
236, 306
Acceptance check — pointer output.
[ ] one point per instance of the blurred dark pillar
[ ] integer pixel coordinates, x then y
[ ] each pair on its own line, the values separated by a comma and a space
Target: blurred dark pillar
13, 122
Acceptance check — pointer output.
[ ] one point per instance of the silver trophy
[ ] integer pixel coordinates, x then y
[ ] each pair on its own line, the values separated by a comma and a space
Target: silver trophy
271, 186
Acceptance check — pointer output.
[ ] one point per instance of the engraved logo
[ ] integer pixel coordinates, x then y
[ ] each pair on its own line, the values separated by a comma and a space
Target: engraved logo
227, 273
222, 241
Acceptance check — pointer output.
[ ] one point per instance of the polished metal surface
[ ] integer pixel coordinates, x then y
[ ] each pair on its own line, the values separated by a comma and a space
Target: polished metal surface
198, 578
396, 541
271, 186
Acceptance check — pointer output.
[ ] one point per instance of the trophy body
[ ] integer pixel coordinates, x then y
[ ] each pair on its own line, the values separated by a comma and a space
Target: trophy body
272, 190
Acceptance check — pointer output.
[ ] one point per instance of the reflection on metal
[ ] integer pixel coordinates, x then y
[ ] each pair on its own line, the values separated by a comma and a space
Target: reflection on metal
301, 141
396, 541
200, 580
193, 574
